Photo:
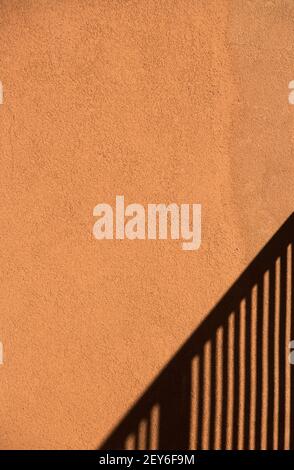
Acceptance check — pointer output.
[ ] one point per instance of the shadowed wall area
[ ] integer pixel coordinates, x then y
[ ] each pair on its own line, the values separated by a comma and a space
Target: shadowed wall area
231, 385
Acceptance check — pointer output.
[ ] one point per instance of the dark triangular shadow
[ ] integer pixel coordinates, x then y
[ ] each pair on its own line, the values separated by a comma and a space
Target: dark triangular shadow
231, 385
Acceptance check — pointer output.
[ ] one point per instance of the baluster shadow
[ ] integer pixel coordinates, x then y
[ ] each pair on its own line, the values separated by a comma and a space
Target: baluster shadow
231, 385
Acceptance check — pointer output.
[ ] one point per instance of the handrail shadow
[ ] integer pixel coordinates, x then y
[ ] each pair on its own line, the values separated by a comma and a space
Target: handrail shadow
231, 385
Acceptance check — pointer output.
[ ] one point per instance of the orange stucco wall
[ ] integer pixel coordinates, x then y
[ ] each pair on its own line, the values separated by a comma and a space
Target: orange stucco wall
177, 101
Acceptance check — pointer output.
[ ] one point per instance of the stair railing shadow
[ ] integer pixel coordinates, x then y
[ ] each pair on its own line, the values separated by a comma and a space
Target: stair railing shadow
231, 385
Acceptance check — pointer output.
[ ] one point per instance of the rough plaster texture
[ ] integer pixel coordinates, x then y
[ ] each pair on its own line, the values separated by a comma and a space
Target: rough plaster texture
174, 101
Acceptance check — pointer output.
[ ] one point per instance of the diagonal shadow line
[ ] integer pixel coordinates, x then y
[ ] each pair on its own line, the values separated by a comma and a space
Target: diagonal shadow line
230, 385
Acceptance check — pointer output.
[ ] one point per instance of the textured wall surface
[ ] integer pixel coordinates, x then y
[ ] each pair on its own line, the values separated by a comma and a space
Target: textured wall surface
178, 101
